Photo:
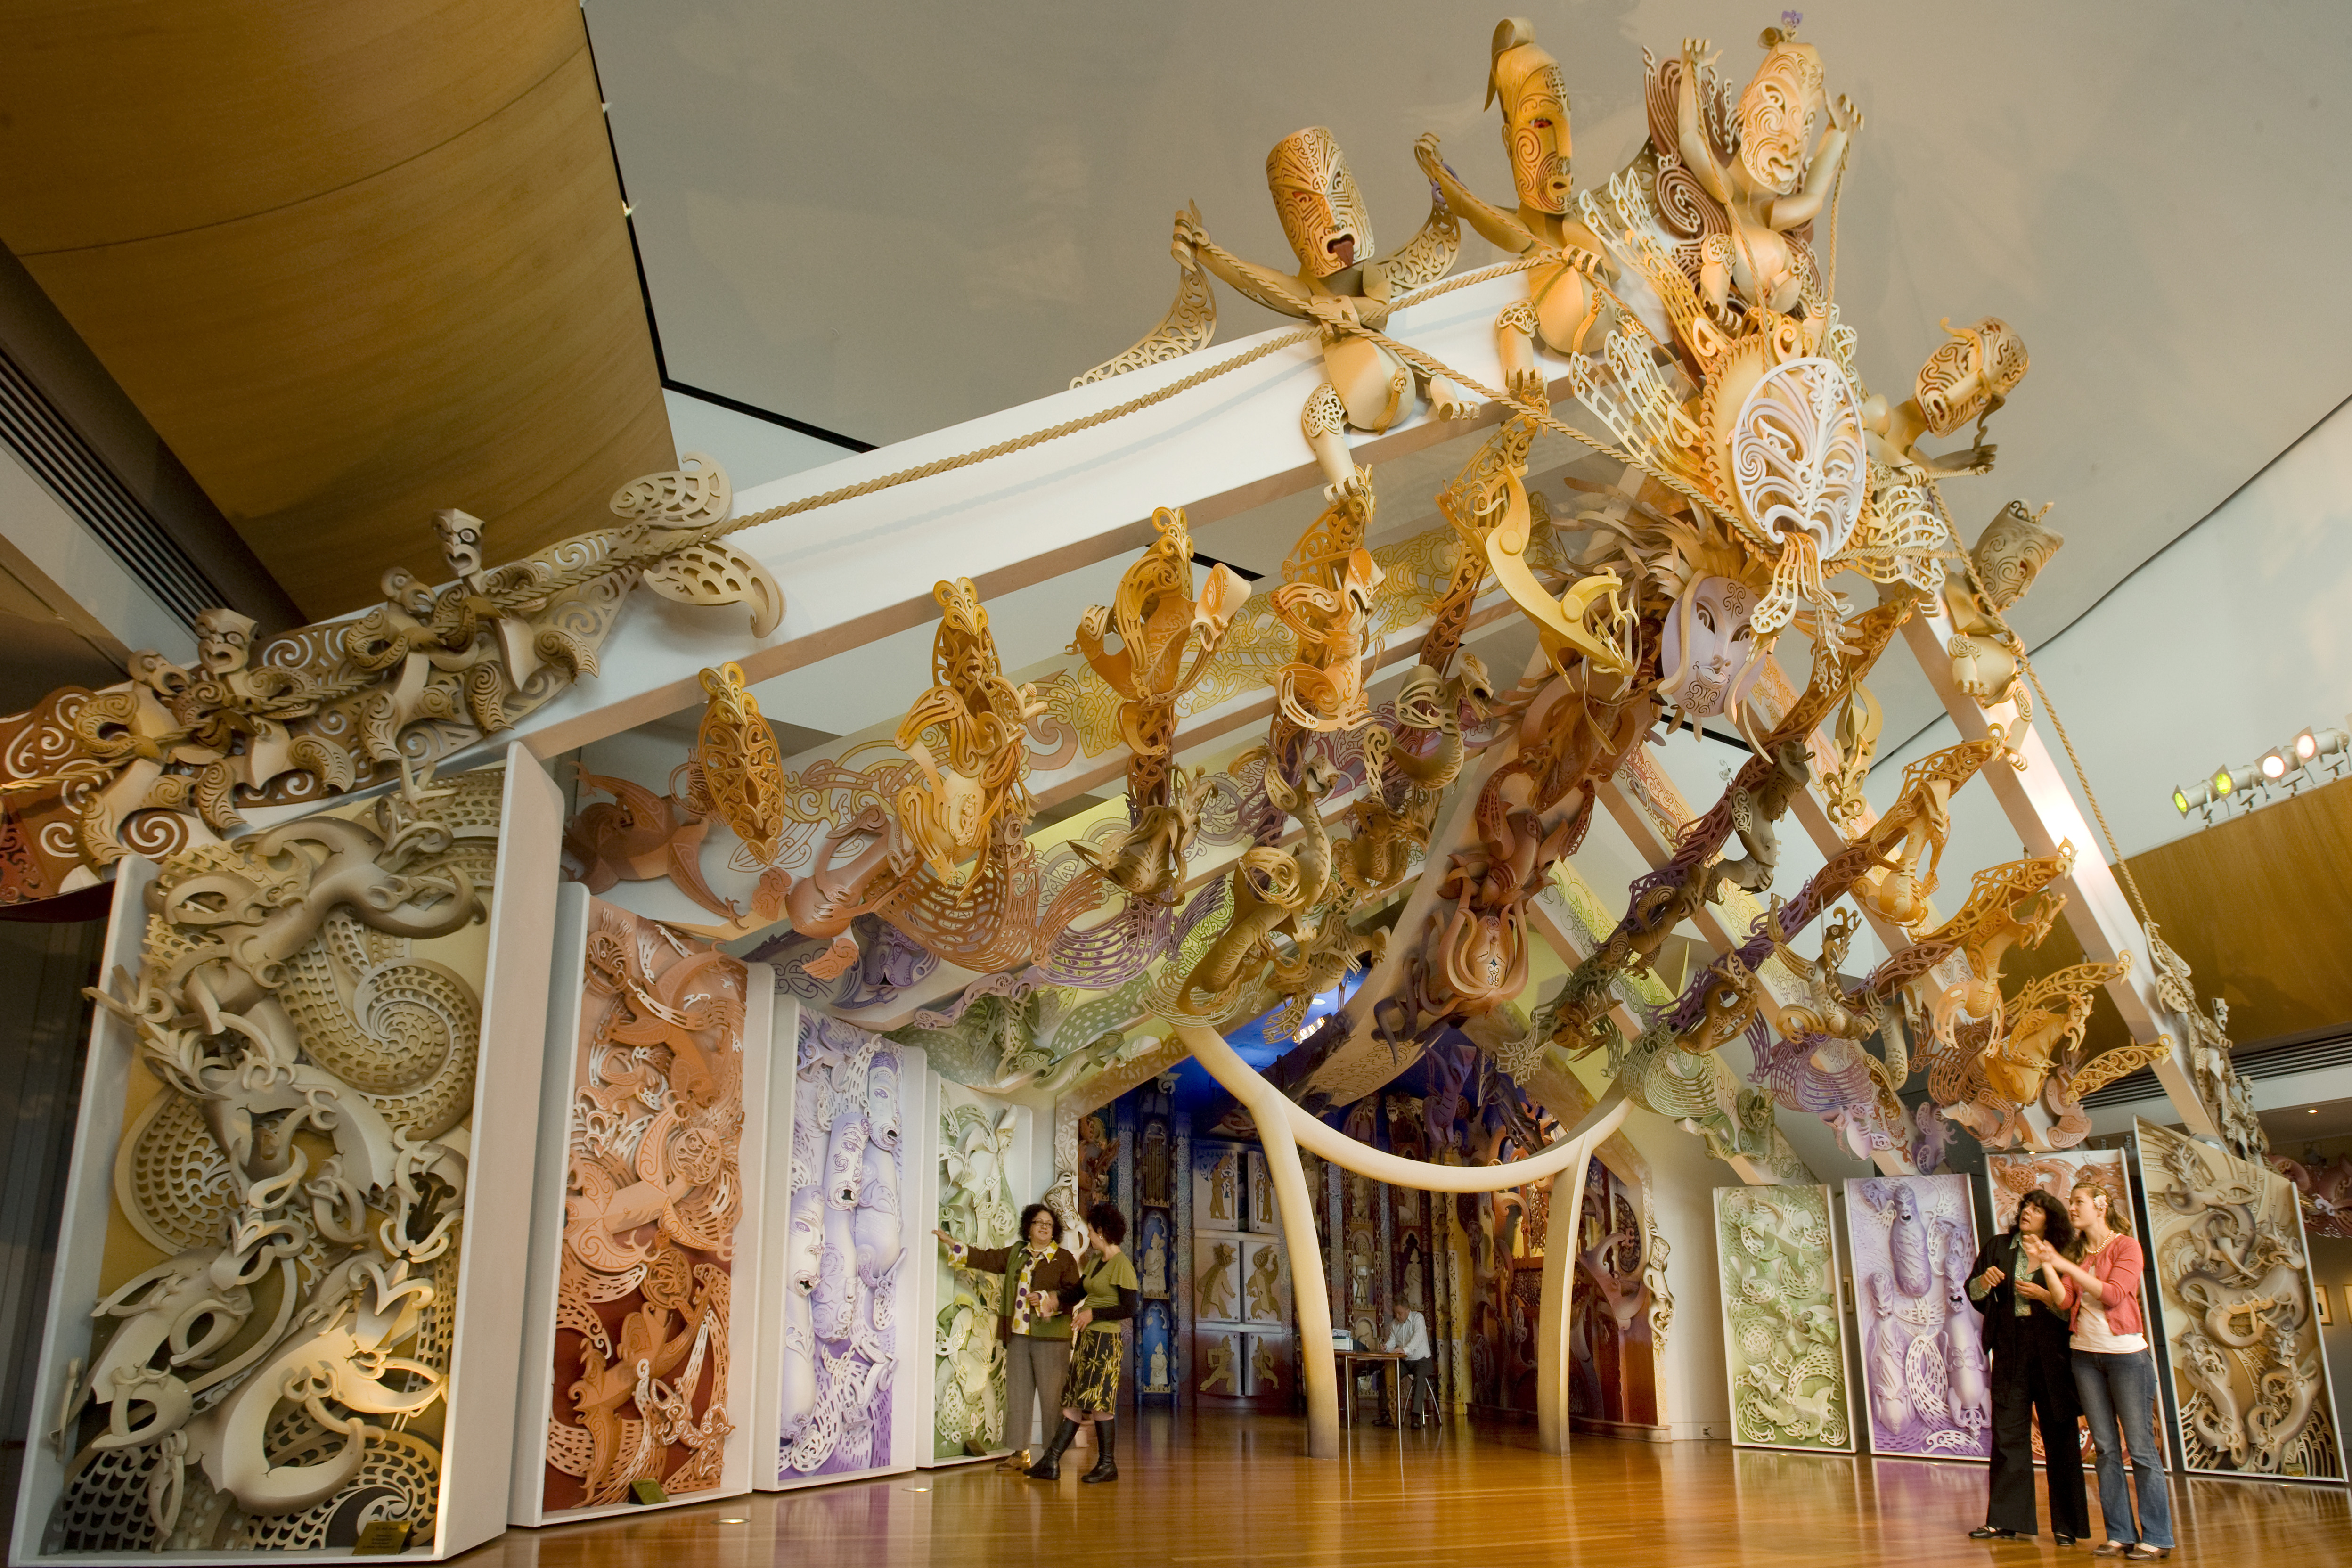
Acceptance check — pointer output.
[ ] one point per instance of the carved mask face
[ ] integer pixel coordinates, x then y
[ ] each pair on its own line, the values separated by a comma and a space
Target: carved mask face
1316, 197
1971, 376
1778, 112
1709, 648
224, 641
1730, 1007
461, 540
1534, 125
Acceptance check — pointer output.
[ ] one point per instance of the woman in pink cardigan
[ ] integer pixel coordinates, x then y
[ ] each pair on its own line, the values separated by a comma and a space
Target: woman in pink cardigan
2113, 1372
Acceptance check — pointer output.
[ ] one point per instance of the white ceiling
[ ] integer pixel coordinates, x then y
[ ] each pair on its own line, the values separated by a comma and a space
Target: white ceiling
885, 218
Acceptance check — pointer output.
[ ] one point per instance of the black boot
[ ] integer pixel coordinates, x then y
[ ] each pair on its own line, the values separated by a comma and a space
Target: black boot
1048, 1467
1105, 1441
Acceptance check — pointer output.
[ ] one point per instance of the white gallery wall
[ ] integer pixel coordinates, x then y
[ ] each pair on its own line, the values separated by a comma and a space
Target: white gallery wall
2224, 645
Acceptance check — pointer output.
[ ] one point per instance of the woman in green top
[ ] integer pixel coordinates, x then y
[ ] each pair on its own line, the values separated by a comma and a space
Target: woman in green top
1091, 1391
1033, 1320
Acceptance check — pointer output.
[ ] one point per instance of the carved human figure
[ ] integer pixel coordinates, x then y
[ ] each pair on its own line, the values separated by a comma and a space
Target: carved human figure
1968, 377
1159, 1376
1887, 1344
1265, 1364
1224, 1367
1339, 283
1780, 178
1564, 310
1216, 1292
1264, 1286
1155, 1265
1222, 1190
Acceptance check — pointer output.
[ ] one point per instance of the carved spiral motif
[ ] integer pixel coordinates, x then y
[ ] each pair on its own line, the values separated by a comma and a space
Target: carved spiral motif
1796, 455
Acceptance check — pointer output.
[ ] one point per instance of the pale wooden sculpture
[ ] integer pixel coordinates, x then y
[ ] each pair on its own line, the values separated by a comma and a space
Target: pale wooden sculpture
742, 770
166, 760
1565, 310
1967, 378
979, 719
1793, 142
1338, 281
1166, 638
2009, 556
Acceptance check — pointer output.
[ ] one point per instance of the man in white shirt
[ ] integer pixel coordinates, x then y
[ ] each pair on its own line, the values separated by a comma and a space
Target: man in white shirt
1409, 1336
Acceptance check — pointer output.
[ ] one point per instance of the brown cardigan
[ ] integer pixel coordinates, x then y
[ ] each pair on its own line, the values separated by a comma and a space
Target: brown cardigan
1058, 1274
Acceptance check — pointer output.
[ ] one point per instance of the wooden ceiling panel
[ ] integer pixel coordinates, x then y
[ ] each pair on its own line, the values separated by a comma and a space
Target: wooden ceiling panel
121, 122
462, 328
2254, 904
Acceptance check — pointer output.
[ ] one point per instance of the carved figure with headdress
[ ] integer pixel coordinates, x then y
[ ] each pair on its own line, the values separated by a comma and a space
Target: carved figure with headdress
979, 720
1339, 281
1565, 310
2009, 556
1788, 141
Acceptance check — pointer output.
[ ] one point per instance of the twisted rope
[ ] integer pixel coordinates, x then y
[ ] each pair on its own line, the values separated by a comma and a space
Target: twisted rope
646, 552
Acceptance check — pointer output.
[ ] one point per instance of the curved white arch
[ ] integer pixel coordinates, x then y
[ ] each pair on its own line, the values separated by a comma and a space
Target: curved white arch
1283, 1127
1266, 1102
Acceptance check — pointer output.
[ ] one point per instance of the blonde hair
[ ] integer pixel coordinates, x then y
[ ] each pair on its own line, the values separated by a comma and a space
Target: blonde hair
2118, 1215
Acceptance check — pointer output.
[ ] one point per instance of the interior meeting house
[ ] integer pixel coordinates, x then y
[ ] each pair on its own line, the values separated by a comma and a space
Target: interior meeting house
789, 785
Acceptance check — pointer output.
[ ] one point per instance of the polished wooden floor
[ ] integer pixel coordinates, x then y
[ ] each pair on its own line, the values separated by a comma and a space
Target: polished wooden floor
1208, 1491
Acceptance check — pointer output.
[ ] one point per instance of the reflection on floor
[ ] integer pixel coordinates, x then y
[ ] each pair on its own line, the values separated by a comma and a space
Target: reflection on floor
1206, 1492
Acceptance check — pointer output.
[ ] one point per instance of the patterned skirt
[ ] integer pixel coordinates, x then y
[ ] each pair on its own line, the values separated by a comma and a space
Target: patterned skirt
1092, 1384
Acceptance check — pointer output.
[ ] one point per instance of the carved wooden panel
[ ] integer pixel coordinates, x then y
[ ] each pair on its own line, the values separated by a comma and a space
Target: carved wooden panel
2234, 1298
651, 1313
1784, 1338
1923, 1368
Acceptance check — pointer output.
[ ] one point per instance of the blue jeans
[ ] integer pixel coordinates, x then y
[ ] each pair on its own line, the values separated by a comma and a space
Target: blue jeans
2124, 1386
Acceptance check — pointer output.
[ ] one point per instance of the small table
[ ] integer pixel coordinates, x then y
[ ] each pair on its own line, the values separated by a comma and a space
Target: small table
1391, 1362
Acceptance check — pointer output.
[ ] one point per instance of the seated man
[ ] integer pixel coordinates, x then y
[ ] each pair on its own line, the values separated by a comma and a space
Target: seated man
1409, 1337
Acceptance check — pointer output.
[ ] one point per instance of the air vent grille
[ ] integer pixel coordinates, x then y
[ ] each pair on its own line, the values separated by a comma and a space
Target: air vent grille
55, 451
2312, 1053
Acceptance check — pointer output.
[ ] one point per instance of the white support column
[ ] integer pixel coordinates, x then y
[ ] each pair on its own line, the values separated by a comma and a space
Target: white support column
2042, 810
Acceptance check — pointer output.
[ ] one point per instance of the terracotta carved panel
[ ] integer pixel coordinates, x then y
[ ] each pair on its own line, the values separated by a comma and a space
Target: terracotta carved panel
654, 1196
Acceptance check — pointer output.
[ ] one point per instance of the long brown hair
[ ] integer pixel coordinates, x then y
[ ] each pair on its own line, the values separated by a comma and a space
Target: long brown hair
2118, 1218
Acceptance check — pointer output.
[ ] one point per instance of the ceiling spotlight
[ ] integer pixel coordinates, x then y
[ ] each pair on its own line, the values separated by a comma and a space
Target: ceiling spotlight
2192, 797
2273, 764
2223, 782
2314, 745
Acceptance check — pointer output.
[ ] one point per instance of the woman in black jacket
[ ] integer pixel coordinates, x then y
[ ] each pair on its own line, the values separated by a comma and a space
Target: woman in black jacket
2033, 1379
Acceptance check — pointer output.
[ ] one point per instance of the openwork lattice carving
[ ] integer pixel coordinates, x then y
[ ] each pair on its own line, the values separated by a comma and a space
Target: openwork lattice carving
168, 759
273, 1363
1781, 1323
652, 1196
2234, 1292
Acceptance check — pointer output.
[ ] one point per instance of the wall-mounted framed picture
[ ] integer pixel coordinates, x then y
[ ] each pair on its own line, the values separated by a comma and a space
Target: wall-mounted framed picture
2326, 1316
